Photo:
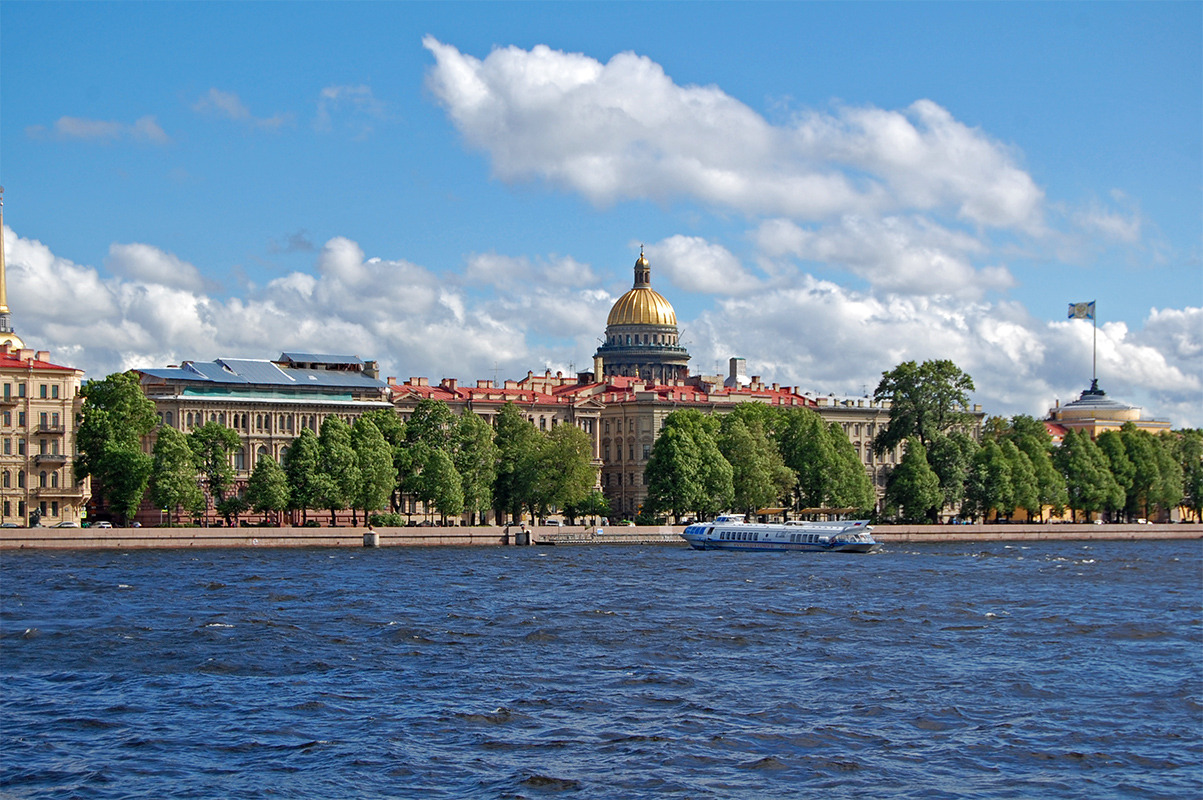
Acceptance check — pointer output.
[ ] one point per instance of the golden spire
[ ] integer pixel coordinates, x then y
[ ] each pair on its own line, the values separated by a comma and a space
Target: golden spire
3, 278
7, 336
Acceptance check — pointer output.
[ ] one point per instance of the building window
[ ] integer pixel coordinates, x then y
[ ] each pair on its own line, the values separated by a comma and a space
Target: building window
54, 419
42, 479
647, 451
43, 420
8, 447
20, 479
20, 419
21, 446
43, 391
167, 416
54, 392
6, 479
54, 508
20, 390
8, 391
54, 480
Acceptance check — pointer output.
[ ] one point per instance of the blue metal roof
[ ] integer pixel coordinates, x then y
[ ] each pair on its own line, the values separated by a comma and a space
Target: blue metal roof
259, 372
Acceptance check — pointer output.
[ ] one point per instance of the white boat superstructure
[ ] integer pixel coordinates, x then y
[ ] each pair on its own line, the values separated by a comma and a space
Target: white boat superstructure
731, 532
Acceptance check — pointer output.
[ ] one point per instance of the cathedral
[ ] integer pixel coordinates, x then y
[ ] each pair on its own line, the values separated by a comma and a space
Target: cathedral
641, 335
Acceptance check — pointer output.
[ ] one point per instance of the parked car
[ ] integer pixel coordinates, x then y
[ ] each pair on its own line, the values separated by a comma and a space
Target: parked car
66, 524
10, 525
102, 524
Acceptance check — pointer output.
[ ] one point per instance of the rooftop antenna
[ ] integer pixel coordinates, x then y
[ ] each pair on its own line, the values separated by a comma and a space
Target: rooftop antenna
495, 374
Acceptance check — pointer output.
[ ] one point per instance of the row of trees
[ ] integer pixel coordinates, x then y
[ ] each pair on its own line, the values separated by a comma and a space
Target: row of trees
453, 465
756, 456
1129, 473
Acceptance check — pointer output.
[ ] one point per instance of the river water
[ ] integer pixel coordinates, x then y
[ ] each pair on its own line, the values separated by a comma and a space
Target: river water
1056, 669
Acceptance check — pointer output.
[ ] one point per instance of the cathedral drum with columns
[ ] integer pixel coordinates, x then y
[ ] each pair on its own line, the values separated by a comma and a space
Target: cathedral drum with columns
641, 334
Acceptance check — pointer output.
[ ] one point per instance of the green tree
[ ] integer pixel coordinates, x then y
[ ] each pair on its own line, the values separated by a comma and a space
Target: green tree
1111, 443
113, 419
925, 400
389, 423
809, 450
212, 444
850, 485
267, 488
673, 473
759, 475
230, 506
990, 486
374, 464
566, 474
1033, 439
338, 467
1025, 491
1088, 480
173, 479
913, 490
518, 446
440, 484
594, 505
1188, 449
951, 458
475, 459
302, 466
1169, 491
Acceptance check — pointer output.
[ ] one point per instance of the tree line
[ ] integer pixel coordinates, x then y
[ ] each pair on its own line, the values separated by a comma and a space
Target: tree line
453, 465
756, 456
1015, 466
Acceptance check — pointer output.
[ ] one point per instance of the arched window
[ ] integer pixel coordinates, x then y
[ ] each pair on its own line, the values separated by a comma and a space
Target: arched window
42, 479
168, 419
20, 479
260, 453
189, 418
54, 480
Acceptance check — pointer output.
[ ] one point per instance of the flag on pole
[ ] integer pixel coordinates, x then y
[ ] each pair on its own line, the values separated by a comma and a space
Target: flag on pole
1081, 310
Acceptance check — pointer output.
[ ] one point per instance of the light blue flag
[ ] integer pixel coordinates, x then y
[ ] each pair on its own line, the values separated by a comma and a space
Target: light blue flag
1081, 310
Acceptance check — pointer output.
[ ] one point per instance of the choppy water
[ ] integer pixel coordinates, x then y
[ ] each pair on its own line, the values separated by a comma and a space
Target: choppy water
1059, 669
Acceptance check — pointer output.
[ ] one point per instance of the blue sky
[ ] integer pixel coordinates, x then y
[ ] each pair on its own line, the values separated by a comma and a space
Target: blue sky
460, 190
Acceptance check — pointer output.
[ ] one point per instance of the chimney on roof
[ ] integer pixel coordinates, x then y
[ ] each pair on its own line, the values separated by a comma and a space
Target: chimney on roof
736, 376
597, 368
450, 384
391, 380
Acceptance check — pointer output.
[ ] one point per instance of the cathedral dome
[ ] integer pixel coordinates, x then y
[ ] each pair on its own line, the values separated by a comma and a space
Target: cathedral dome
642, 305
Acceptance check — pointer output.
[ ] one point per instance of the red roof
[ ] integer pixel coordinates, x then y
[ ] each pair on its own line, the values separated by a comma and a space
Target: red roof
8, 361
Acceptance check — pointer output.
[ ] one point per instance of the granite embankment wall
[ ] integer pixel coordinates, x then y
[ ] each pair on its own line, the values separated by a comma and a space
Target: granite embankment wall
130, 538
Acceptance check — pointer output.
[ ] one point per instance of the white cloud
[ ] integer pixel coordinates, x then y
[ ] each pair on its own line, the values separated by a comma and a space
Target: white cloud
813, 334
143, 129
696, 265
903, 255
624, 130
144, 263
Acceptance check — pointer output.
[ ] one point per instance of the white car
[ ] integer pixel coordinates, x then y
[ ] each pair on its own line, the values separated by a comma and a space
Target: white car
66, 524
102, 524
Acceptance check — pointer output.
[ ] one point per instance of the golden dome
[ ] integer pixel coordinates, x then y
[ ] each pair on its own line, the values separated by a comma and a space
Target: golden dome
642, 305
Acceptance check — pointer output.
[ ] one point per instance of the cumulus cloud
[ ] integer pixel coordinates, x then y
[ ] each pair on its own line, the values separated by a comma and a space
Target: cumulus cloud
624, 130
697, 265
144, 129
903, 255
146, 264
147, 308
825, 338
813, 334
